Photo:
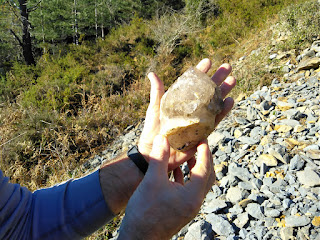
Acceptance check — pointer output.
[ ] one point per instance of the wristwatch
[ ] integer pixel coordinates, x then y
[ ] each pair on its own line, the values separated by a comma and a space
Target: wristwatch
134, 154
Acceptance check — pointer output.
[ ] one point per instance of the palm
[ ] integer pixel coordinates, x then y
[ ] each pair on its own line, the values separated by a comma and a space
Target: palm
152, 123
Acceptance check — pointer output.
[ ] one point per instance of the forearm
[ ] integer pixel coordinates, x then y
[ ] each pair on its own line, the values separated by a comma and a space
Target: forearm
119, 178
70, 210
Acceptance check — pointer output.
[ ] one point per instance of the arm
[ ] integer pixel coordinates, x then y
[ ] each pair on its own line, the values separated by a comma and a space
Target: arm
71, 210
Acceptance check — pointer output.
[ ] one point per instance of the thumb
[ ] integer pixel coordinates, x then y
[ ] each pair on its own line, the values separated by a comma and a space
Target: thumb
157, 90
159, 157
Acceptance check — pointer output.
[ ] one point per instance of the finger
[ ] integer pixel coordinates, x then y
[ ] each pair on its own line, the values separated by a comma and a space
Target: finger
221, 74
159, 157
204, 65
178, 175
228, 104
177, 158
191, 163
157, 89
151, 125
227, 86
201, 172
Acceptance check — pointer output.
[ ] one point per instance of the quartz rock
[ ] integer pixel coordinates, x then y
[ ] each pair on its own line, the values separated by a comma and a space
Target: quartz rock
189, 108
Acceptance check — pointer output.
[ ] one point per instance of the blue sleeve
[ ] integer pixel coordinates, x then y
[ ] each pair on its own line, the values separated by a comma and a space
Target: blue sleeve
71, 210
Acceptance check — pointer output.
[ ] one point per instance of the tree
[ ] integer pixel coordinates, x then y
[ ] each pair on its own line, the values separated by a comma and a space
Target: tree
25, 41
8, 44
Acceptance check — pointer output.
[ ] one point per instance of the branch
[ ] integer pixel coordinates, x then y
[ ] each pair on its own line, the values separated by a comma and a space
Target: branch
35, 7
14, 12
16, 37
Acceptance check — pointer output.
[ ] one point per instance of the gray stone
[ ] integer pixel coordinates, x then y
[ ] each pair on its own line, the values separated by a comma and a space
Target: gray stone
311, 147
241, 173
243, 233
296, 163
241, 120
256, 183
279, 152
216, 192
214, 206
235, 194
286, 203
257, 198
199, 230
252, 114
214, 138
268, 181
289, 122
228, 181
297, 221
255, 210
248, 140
220, 225
260, 231
309, 178
245, 185
272, 213
263, 169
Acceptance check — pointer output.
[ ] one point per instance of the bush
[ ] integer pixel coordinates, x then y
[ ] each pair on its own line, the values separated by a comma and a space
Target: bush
54, 89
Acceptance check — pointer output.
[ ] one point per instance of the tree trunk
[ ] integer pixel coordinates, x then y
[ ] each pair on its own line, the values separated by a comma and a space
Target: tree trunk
26, 38
96, 17
76, 39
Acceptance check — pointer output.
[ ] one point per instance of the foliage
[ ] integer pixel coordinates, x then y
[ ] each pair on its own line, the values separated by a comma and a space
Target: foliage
301, 22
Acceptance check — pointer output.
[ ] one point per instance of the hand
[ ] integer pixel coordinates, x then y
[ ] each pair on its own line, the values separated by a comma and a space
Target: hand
159, 208
152, 122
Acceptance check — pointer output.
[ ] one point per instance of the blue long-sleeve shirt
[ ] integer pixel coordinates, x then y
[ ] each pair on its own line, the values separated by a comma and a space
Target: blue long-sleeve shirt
70, 210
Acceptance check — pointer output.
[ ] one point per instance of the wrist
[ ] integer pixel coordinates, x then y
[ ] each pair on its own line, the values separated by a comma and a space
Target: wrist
145, 150
118, 179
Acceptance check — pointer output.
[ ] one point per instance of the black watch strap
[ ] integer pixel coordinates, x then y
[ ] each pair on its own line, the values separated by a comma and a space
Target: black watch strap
138, 159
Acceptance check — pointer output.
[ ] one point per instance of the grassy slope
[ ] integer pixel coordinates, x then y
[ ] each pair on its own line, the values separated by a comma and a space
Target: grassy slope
75, 101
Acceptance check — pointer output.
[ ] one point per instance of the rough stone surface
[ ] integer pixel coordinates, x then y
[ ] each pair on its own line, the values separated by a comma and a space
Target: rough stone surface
255, 211
220, 225
309, 64
188, 110
297, 221
199, 230
308, 177
214, 206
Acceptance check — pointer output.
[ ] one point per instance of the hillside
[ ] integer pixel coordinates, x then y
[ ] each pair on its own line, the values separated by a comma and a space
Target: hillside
78, 99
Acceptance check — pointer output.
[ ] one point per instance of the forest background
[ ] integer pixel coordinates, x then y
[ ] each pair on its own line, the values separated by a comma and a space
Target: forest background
73, 72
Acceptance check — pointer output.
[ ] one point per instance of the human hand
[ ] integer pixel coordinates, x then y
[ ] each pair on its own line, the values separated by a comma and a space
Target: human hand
159, 208
152, 122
